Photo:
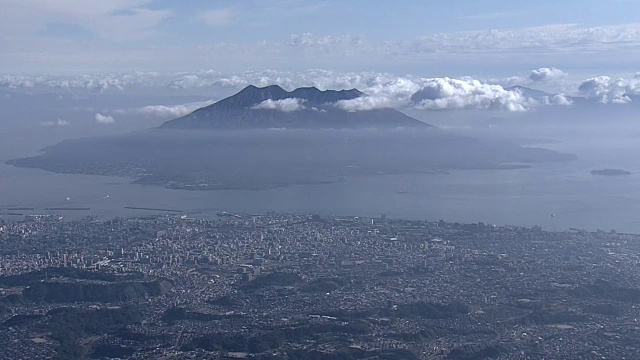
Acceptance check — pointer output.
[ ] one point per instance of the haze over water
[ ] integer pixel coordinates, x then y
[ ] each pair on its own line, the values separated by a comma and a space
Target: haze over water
515, 197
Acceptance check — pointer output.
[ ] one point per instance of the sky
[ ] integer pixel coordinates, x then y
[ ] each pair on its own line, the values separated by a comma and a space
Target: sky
426, 38
106, 62
515, 69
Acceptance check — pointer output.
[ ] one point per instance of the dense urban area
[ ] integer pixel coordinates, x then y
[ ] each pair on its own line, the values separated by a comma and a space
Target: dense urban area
287, 286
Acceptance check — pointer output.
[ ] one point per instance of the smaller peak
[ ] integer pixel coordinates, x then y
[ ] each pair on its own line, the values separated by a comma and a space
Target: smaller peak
272, 87
520, 87
248, 89
262, 93
354, 91
253, 88
306, 91
527, 91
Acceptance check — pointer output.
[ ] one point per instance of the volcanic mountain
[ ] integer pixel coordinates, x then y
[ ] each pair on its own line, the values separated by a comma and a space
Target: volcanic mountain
303, 108
254, 157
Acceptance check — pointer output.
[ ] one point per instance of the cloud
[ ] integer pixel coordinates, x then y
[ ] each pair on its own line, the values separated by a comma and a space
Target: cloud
381, 89
284, 105
607, 90
384, 90
217, 17
92, 82
525, 45
16, 82
454, 94
364, 103
119, 22
208, 78
59, 123
116, 20
384, 87
559, 38
558, 99
547, 74
104, 119
173, 111
310, 40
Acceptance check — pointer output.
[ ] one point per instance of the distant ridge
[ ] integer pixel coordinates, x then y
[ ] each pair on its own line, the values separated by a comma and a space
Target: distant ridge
274, 107
529, 92
540, 95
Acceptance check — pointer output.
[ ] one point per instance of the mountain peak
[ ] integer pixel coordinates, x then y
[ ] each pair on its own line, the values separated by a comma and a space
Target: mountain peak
272, 88
252, 95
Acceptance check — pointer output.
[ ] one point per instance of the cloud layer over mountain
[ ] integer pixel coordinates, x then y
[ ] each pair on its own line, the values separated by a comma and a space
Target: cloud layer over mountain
382, 89
172, 111
448, 94
284, 105
58, 123
547, 74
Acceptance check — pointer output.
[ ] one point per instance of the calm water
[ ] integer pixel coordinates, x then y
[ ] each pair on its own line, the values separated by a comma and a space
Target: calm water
517, 197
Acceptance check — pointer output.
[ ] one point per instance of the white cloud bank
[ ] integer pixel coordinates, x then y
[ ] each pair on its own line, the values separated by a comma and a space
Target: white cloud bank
608, 90
104, 119
284, 105
382, 89
455, 94
449, 94
547, 75
90, 82
172, 111
365, 103
58, 123
557, 99
120, 21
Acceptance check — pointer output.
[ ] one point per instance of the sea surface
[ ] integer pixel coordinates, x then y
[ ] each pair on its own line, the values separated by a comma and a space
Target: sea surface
523, 197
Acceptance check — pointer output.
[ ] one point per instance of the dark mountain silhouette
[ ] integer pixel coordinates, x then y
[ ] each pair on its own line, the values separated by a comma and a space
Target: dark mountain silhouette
541, 95
310, 108
529, 92
263, 159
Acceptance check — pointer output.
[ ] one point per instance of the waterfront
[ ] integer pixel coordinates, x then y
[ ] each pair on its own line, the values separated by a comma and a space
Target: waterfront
508, 197
516, 197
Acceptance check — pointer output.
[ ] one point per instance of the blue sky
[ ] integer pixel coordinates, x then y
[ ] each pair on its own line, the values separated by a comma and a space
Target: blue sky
462, 54
273, 20
453, 37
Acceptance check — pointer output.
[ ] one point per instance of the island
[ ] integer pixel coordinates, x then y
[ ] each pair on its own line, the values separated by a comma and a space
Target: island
610, 172
272, 107
265, 138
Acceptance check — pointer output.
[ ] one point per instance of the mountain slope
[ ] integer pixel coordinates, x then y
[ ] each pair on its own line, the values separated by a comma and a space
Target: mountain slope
302, 108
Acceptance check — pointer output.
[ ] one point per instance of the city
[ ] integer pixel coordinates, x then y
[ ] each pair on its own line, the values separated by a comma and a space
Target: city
288, 286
